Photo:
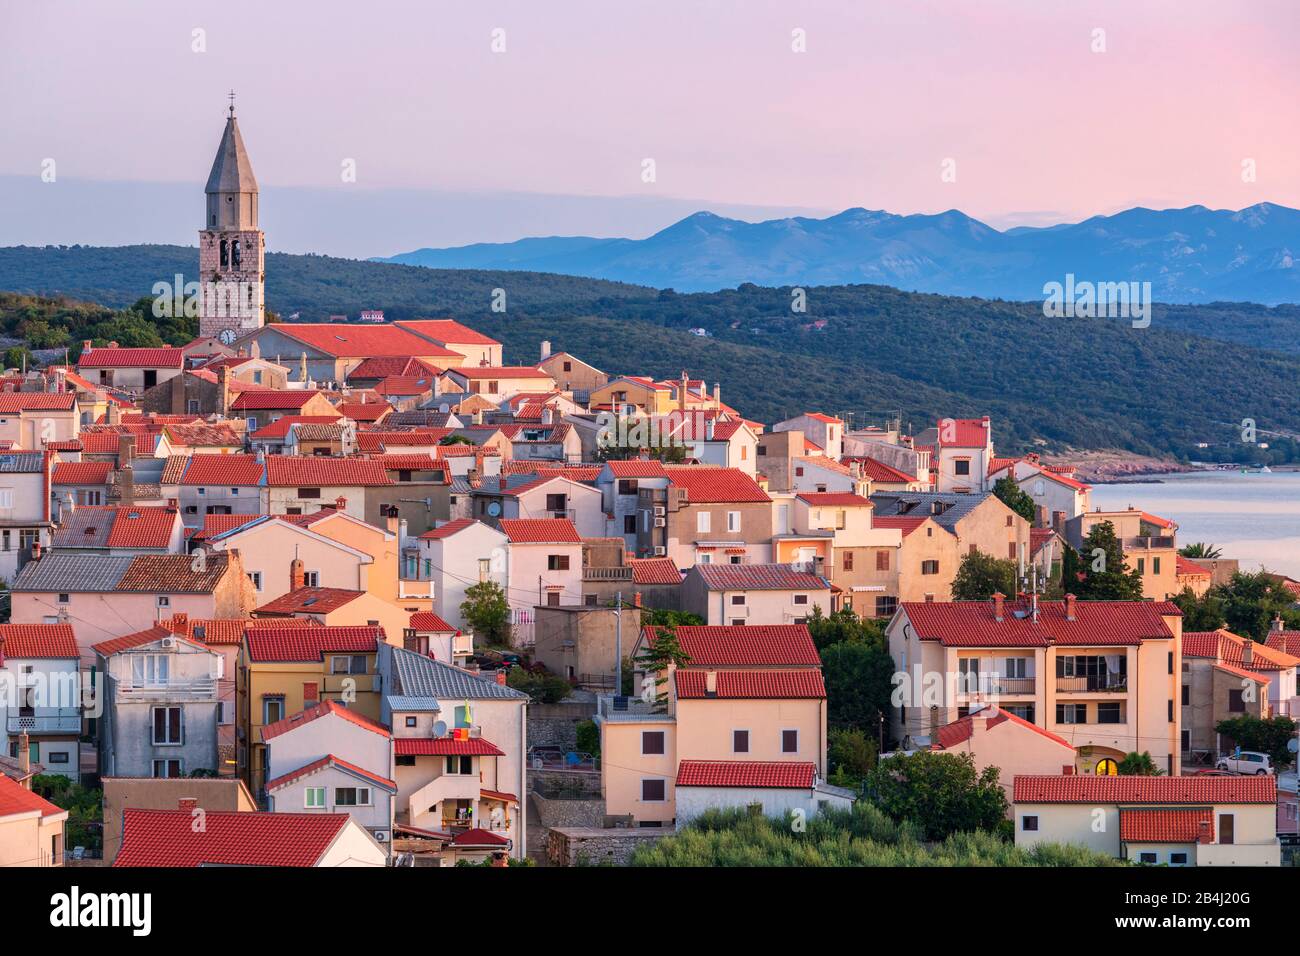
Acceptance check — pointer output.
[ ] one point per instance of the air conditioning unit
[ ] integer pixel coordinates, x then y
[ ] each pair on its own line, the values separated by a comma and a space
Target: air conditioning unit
381, 836
169, 642
660, 511
661, 522
660, 551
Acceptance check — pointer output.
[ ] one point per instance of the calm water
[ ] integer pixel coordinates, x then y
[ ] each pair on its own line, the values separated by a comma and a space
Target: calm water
1253, 518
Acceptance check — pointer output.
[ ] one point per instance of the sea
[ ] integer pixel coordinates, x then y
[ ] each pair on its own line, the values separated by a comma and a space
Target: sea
1254, 518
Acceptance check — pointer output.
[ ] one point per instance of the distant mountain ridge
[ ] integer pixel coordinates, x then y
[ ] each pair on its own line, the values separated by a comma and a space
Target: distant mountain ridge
1189, 255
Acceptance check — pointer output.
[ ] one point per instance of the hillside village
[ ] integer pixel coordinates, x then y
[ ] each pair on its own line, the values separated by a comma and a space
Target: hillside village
375, 593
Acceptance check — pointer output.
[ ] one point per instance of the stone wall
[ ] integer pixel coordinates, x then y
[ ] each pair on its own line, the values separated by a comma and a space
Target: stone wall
556, 725
560, 812
584, 846
569, 783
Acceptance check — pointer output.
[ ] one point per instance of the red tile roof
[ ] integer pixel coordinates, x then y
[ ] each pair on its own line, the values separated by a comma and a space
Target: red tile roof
1286, 641
880, 472
11, 403
118, 644
540, 531
638, 468
15, 799
142, 527
272, 398
83, 472
172, 574
758, 577
364, 411
706, 484
752, 685
368, 341
834, 499
38, 640
1243, 673
784, 775
405, 385
229, 470
498, 372
283, 644
310, 601
1096, 623
290, 471
280, 427
966, 432
225, 631
214, 525
757, 645
445, 746
428, 622
447, 331
1170, 790
959, 731
103, 357
1165, 826
1223, 645
478, 837
903, 523
448, 529
654, 571
819, 417
169, 838
384, 366
1186, 567
329, 760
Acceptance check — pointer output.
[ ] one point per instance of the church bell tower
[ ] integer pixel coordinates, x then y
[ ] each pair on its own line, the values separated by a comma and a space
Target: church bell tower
231, 248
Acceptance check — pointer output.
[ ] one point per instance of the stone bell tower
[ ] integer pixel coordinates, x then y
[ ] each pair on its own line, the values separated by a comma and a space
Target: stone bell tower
231, 247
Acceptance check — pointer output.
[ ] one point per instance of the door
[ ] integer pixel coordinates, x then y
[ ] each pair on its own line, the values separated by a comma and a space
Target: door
1227, 828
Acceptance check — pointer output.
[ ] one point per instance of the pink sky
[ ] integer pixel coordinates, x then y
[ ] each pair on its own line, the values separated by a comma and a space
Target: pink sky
1041, 128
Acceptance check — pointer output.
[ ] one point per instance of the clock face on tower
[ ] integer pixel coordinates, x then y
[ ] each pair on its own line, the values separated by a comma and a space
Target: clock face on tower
227, 336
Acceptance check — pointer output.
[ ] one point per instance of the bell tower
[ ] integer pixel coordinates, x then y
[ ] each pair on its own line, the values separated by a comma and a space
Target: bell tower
231, 247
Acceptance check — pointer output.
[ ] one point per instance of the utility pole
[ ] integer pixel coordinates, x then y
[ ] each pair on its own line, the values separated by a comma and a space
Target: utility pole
618, 644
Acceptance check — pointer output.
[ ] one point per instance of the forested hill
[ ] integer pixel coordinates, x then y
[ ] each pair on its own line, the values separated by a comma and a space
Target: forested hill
1048, 383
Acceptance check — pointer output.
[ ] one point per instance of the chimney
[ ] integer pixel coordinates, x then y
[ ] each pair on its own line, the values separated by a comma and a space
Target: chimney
546, 350
340, 503
24, 753
710, 683
125, 449
1067, 770
1058, 522
708, 429
717, 394
546, 415
189, 804
681, 391
173, 503
180, 623
636, 602
36, 550
1278, 627
393, 523
86, 346
223, 390
501, 676
1203, 834
1248, 653
998, 603
297, 574
477, 419
69, 503
126, 485
1069, 607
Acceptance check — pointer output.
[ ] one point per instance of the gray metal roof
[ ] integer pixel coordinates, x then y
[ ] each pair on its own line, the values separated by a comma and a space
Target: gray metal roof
420, 676
72, 572
917, 504
396, 702
20, 461
231, 170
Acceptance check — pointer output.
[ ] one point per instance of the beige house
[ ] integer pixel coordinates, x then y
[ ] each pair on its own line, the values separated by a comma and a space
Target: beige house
1149, 543
475, 347
152, 793
740, 594
998, 738
570, 373
705, 515
744, 723
1173, 820
1102, 675
31, 420
31, 828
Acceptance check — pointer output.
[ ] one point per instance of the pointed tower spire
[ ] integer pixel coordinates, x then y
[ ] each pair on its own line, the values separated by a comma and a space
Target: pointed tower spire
232, 187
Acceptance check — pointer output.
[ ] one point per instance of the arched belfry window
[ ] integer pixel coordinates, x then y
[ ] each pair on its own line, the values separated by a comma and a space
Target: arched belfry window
225, 254
234, 253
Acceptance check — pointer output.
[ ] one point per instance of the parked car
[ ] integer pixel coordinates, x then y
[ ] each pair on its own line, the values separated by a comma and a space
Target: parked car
1248, 762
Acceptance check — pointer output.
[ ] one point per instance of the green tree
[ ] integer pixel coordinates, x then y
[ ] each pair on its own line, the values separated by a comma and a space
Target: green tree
1137, 764
588, 737
656, 657
488, 612
1266, 735
843, 625
664, 617
980, 576
941, 793
1204, 613
1102, 573
859, 682
852, 755
1199, 549
1252, 601
542, 688
1007, 491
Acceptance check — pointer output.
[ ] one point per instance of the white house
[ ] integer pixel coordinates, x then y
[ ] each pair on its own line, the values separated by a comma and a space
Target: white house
457, 555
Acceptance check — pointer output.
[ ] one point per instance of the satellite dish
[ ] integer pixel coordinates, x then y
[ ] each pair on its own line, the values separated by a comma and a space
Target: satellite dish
444, 408
1293, 745
440, 728
494, 508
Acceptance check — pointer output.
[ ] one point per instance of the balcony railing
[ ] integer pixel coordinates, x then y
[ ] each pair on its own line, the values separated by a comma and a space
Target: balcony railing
191, 689
1012, 685
64, 721
607, 574
1145, 543
1097, 684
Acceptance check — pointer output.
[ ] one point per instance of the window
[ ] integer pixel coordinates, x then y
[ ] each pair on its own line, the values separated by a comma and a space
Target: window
353, 664
460, 765
251, 423
1017, 667
1236, 702
627, 486
411, 721
1013, 550
192, 406
653, 790
404, 760
740, 741
801, 599
272, 709
308, 492
733, 521
738, 599
6, 498
929, 567
64, 598
164, 601
167, 725
557, 562
57, 757
1186, 739
256, 578
1011, 521
848, 560
1028, 823
1147, 857
652, 741
1155, 565
225, 712
886, 606
961, 466
702, 522
1109, 713
735, 622
311, 579
1177, 859
789, 741
1171, 710
629, 524
1071, 713
1171, 662
1142, 566
167, 768
1187, 694
351, 796
313, 798
882, 560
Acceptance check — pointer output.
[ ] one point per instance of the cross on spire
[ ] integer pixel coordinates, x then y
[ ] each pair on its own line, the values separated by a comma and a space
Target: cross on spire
232, 103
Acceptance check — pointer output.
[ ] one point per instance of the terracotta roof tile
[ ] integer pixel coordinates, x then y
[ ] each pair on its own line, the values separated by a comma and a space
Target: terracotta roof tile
272, 398
791, 775
705, 484
83, 472
288, 471
448, 529
428, 622
1097, 623
15, 799
169, 838
654, 571
228, 470
369, 341
311, 601
1169, 790
38, 640
540, 531
757, 645
102, 357
959, 731
328, 708
447, 331
330, 760
752, 685
1166, 826
445, 746
279, 644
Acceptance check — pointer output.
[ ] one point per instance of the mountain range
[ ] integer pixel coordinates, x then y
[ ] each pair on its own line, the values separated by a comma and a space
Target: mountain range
1189, 255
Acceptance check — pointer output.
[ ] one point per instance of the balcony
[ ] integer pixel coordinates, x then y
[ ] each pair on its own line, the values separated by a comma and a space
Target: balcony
1147, 543
200, 688
1097, 684
65, 720
448, 786
1007, 686
607, 574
